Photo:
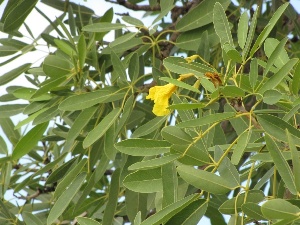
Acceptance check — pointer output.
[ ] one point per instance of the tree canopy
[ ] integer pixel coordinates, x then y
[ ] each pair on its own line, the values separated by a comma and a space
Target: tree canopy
195, 115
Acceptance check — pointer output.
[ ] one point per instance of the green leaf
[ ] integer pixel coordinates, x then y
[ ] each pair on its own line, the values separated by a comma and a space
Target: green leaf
88, 99
221, 25
170, 184
17, 16
281, 164
279, 209
204, 46
133, 21
122, 39
209, 119
11, 110
80, 122
276, 127
190, 214
199, 16
30, 118
253, 75
103, 27
243, 29
185, 106
269, 27
253, 210
29, 141
275, 80
226, 169
82, 49
295, 160
144, 181
241, 145
295, 80
191, 154
87, 221
232, 53
143, 147
56, 67
165, 214
66, 47
149, 127
176, 135
113, 196
29, 218
66, 197
205, 180
101, 128
118, 66
180, 84
271, 97
278, 56
232, 91
181, 66
152, 163
233, 205
134, 67
68, 178
162, 14
192, 39
7, 50
9, 76
250, 34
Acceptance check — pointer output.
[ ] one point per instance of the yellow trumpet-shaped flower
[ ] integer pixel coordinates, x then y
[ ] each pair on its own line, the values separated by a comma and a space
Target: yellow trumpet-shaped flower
160, 95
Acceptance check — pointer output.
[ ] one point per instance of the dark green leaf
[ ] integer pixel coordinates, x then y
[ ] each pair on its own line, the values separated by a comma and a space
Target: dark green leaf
17, 16
199, 16
9, 76
101, 128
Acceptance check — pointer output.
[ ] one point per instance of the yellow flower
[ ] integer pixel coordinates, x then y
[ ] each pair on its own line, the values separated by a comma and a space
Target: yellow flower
160, 95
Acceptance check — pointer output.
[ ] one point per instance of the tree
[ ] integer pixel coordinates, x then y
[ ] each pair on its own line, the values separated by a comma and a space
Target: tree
196, 115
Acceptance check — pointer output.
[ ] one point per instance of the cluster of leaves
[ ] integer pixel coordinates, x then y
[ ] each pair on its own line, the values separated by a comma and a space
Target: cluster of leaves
94, 152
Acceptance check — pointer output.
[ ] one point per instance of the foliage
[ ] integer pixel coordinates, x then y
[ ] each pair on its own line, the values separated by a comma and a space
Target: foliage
91, 151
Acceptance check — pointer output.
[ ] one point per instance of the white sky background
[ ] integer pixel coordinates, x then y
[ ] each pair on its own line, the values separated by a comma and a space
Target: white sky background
38, 23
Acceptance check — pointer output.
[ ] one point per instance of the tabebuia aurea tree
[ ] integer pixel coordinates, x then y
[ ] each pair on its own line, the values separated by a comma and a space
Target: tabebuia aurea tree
188, 119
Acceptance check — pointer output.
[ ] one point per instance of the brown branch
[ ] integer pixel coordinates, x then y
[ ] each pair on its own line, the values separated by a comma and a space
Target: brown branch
134, 7
36, 194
